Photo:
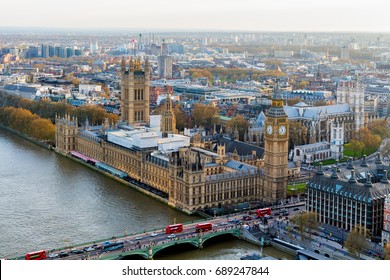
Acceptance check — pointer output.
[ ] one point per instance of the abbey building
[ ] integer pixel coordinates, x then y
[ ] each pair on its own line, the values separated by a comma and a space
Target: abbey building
191, 176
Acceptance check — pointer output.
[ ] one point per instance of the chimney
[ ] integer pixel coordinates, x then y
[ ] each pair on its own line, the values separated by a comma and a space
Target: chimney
320, 171
353, 178
334, 173
384, 179
368, 182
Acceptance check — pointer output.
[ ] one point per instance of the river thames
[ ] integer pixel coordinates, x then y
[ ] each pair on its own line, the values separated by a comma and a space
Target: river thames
48, 201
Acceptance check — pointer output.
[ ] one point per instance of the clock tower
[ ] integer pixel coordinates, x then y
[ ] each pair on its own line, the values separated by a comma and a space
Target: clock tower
275, 150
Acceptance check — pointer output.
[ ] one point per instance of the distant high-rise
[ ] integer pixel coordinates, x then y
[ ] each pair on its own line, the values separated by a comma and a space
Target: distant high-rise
344, 52
44, 51
165, 63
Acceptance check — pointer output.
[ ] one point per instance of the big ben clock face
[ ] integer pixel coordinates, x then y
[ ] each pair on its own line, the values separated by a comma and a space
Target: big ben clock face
282, 130
269, 129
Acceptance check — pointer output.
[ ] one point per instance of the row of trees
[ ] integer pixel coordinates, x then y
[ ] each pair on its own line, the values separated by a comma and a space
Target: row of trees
28, 123
368, 140
48, 110
233, 74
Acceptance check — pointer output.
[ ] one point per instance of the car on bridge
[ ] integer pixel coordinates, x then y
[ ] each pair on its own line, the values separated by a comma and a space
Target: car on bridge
153, 234
138, 238
171, 236
63, 254
88, 249
76, 251
234, 221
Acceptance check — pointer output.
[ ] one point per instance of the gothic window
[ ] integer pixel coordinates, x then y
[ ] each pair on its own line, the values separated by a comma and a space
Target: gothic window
142, 94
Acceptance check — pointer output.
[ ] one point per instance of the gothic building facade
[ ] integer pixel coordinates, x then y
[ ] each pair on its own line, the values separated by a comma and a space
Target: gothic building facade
192, 176
135, 87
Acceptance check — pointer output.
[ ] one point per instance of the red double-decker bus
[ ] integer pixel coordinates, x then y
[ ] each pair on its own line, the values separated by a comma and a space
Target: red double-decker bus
38, 255
173, 228
263, 212
204, 227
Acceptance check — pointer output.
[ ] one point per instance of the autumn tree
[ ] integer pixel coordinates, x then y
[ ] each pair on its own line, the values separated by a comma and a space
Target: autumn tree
241, 123
181, 118
293, 101
303, 84
371, 141
297, 133
43, 129
385, 150
386, 252
205, 115
306, 222
320, 103
356, 242
356, 147
380, 127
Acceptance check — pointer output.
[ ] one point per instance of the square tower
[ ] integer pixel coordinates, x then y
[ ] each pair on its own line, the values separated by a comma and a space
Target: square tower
135, 92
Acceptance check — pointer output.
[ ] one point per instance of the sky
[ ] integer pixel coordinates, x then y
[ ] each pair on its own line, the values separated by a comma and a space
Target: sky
200, 15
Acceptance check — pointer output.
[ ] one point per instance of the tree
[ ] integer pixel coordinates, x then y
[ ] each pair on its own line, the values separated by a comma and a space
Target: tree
293, 101
356, 242
205, 115
180, 117
297, 133
356, 147
385, 150
371, 141
380, 127
386, 252
241, 124
306, 222
320, 103
303, 84
43, 129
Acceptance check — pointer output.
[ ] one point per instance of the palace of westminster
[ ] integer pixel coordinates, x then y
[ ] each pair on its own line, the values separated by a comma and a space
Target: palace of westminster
195, 174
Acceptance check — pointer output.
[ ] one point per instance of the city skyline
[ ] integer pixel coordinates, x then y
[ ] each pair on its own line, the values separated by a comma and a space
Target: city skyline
228, 15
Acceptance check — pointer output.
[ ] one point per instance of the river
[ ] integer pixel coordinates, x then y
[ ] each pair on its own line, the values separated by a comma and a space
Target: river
48, 201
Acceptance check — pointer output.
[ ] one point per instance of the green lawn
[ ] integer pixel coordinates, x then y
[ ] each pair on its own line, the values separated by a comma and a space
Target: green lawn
329, 161
300, 188
349, 153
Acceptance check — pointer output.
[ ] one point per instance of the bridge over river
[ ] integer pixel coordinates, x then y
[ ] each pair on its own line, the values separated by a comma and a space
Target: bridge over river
147, 244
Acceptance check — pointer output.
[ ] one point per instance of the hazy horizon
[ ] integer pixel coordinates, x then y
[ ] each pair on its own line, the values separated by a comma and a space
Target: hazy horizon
332, 16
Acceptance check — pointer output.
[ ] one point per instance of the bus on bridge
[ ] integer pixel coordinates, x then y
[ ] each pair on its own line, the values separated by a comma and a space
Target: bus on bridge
204, 227
38, 255
174, 228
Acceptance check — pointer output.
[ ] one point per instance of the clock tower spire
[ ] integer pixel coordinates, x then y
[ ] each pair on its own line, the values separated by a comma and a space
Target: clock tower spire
275, 150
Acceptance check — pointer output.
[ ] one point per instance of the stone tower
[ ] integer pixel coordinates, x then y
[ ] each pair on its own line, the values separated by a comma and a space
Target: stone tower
135, 92
168, 120
275, 151
352, 93
66, 133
